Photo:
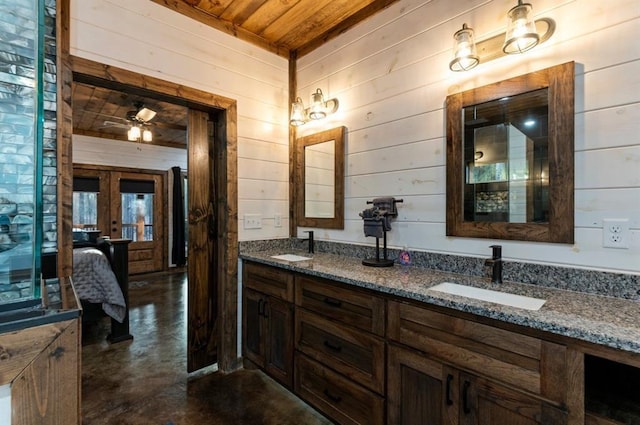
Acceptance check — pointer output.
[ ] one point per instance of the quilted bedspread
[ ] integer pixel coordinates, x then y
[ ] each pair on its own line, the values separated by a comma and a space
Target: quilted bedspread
95, 282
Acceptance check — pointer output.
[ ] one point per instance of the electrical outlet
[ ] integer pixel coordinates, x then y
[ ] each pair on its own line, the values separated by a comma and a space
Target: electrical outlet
277, 220
615, 233
253, 221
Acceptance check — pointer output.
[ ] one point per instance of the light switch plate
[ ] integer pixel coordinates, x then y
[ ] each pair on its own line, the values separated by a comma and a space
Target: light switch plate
253, 221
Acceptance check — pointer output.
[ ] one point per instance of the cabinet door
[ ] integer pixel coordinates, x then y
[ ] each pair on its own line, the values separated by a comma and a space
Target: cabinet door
253, 326
278, 316
420, 391
485, 402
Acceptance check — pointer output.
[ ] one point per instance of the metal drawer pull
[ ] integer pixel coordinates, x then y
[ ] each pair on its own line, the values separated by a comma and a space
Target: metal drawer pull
332, 302
337, 348
465, 397
449, 379
334, 398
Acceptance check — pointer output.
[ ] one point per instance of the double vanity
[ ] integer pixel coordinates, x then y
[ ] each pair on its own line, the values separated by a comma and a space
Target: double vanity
407, 345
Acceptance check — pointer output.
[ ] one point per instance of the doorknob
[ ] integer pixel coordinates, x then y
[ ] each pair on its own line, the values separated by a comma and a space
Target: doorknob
114, 222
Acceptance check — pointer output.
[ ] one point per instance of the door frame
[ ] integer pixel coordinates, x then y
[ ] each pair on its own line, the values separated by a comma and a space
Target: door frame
226, 206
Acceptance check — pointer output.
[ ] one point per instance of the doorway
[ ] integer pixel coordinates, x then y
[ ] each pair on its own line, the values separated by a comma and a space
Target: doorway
212, 309
123, 205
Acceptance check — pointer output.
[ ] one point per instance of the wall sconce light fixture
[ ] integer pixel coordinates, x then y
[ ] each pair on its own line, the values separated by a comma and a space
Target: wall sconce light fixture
318, 110
465, 56
522, 34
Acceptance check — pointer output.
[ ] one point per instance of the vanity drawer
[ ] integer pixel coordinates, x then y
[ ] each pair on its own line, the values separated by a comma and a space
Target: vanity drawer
355, 354
339, 398
513, 358
357, 308
268, 280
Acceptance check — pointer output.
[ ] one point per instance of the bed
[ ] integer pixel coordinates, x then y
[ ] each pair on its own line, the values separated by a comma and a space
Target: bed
101, 282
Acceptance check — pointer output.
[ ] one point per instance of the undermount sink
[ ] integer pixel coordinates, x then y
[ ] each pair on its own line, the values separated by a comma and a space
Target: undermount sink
291, 258
504, 298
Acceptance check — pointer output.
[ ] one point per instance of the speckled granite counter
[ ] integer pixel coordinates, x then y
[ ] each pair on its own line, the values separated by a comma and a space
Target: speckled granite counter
607, 321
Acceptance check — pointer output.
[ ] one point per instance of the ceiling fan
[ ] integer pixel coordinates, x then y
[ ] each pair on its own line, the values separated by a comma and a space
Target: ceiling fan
141, 115
136, 122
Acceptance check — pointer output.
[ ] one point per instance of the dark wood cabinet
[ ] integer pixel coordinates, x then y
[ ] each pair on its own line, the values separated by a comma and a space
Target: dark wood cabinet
267, 322
361, 357
340, 350
470, 373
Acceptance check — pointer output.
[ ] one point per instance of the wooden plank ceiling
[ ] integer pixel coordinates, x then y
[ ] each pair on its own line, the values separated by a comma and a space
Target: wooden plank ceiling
102, 112
280, 26
290, 28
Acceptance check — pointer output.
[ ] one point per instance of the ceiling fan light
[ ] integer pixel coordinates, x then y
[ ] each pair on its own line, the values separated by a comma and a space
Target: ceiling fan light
133, 134
147, 136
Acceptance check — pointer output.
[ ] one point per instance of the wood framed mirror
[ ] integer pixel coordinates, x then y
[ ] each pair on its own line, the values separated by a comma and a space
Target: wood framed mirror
319, 179
510, 158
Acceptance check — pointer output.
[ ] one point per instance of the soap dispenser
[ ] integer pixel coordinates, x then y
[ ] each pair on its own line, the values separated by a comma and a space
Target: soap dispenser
405, 257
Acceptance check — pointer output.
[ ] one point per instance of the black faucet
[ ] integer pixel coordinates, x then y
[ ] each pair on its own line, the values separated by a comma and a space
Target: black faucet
496, 264
310, 239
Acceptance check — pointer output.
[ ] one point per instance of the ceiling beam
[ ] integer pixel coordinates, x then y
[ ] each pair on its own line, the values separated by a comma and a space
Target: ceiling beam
343, 26
228, 27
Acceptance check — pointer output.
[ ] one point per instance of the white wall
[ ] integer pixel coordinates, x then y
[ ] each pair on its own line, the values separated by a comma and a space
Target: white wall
116, 153
144, 37
391, 76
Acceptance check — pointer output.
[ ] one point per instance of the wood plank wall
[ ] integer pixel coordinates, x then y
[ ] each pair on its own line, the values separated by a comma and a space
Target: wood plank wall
391, 76
145, 37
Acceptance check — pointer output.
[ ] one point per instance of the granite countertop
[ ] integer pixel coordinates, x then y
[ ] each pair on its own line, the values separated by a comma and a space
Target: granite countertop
608, 321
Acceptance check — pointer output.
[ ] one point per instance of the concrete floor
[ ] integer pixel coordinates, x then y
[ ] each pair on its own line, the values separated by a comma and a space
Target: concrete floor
144, 381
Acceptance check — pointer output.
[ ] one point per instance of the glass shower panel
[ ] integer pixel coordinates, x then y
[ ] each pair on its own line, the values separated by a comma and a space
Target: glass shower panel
21, 129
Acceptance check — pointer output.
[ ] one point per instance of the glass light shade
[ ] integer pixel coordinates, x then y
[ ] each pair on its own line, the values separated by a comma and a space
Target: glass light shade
147, 136
521, 30
297, 113
318, 106
465, 56
133, 134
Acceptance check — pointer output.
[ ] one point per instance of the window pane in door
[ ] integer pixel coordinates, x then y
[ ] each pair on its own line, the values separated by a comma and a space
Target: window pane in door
137, 216
85, 210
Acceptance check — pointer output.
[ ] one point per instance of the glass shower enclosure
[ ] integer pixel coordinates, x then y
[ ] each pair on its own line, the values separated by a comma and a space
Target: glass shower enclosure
22, 97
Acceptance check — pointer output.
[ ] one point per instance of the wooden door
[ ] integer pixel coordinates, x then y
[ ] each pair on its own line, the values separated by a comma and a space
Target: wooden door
101, 198
203, 256
137, 213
